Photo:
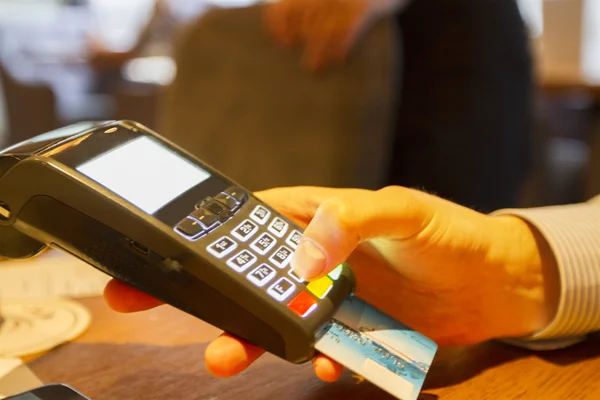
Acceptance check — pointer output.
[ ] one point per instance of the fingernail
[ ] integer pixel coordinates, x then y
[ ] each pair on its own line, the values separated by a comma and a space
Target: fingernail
309, 260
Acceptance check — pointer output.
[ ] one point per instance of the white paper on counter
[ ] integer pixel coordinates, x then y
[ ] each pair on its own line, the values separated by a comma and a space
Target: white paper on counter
50, 274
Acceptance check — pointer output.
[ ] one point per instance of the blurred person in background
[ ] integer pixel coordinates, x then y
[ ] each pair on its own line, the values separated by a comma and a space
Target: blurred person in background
464, 117
156, 38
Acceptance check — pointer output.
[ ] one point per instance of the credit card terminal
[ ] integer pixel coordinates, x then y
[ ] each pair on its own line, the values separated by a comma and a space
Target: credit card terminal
132, 204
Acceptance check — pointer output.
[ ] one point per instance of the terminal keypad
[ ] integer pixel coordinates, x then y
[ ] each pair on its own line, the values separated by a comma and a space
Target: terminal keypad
268, 243
259, 248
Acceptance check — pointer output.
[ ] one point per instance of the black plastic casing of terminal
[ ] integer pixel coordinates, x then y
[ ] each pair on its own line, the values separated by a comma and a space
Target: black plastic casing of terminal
46, 202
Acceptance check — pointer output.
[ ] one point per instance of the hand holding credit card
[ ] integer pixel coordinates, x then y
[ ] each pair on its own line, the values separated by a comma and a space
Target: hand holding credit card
418, 258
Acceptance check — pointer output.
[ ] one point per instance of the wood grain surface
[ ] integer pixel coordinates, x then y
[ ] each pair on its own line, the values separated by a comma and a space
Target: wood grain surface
158, 354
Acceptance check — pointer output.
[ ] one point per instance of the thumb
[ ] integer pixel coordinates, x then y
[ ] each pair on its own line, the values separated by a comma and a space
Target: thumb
341, 223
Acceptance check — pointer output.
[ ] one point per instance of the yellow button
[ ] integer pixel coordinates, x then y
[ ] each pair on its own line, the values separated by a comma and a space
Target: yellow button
320, 287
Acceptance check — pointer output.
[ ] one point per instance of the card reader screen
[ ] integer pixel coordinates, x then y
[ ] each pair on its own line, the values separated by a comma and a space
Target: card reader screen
145, 173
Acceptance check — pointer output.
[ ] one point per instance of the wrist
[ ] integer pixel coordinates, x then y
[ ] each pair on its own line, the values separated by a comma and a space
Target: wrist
529, 277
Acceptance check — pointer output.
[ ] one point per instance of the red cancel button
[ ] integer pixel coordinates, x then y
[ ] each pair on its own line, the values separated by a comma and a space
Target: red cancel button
303, 304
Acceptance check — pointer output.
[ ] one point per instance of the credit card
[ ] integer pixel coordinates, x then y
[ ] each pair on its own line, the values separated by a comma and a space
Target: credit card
375, 346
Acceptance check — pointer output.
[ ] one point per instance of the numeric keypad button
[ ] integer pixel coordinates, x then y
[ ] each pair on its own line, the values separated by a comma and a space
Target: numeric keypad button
245, 230
294, 238
278, 227
263, 244
281, 257
242, 261
281, 289
295, 277
261, 275
222, 247
260, 214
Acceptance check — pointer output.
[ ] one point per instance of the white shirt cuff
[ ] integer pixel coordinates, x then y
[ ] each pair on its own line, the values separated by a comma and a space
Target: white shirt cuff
573, 233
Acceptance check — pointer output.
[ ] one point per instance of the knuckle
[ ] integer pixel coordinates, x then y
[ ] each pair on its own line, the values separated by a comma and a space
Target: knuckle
337, 211
403, 197
394, 190
335, 207
344, 211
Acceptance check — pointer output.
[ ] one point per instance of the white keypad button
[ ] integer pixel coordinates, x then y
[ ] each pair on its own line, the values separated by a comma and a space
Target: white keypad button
295, 277
294, 238
282, 257
242, 261
245, 230
260, 214
281, 289
261, 275
278, 227
222, 247
263, 244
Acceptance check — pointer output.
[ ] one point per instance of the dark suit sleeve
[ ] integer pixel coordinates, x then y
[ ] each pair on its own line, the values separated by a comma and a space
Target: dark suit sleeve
465, 115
